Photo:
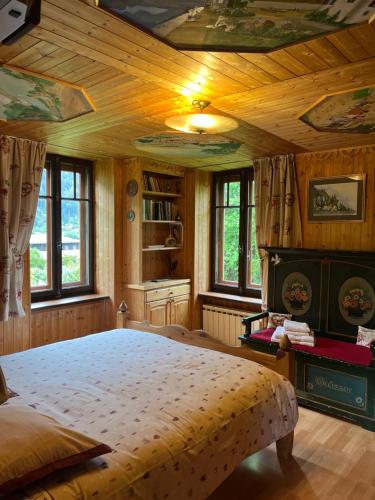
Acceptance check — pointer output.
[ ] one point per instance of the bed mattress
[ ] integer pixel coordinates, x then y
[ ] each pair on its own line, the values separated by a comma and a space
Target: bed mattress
178, 418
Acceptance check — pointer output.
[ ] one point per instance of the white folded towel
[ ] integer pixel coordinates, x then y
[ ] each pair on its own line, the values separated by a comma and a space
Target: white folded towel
278, 334
310, 344
296, 326
300, 338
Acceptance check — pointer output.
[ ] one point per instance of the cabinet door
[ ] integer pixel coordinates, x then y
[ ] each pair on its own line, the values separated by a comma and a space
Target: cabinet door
158, 312
180, 311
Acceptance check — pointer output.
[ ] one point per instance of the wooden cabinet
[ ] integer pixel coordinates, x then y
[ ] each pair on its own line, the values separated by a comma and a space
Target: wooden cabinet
158, 312
169, 311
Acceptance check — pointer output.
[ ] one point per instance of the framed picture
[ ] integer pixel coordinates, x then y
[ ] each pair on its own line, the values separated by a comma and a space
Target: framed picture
337, 199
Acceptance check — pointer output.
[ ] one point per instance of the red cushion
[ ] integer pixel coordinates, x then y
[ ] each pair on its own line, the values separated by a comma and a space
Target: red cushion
328, 348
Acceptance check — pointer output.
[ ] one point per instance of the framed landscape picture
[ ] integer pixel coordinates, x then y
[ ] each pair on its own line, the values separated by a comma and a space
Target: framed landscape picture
336, 199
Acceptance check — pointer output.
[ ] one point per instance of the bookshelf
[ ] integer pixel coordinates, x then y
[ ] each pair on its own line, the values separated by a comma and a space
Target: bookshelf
157, 284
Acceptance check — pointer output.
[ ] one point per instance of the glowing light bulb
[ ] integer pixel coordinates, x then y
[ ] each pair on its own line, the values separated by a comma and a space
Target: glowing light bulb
202, 121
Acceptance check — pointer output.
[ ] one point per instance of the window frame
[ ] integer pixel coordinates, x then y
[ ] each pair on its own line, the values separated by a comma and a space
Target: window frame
56, 164
246, 178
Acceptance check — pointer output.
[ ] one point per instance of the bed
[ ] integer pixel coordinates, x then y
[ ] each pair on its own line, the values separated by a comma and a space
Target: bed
178, 417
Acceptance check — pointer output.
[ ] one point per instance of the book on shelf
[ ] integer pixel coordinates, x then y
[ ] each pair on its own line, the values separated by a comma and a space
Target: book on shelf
160, 185
159, 210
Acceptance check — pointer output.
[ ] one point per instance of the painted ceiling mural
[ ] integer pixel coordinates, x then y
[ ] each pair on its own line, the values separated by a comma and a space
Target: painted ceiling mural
186, 145
352, 112
27, 96
240, 25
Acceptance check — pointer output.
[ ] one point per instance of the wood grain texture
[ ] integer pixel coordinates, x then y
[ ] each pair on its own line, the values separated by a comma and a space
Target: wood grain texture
137, 82
332, 459
70, 322
338, 236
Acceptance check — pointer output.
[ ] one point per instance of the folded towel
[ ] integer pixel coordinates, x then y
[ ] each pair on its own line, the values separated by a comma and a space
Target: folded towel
300, 338
278, 334
296, 326
310, 344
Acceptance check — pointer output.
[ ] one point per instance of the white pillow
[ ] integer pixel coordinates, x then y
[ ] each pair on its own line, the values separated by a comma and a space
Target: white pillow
365, 336
277, 319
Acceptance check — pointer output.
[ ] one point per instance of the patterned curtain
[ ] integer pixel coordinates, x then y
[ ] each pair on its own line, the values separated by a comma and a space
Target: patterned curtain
21, 167
278, 219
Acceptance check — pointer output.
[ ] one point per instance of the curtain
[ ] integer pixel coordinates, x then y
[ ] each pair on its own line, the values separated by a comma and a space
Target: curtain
21, 167
278, 219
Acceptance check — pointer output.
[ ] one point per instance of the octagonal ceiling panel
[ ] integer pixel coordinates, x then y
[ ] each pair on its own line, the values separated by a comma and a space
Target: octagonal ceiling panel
239, 25
176, 144
352, 112
29, 96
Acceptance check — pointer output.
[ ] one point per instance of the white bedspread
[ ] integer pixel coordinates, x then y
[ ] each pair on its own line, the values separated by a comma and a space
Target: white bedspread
179, 418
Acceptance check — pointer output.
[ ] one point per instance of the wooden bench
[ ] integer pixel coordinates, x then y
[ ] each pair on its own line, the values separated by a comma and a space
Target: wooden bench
336, 377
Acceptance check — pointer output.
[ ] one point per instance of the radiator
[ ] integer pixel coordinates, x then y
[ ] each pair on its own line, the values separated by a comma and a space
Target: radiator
224, 324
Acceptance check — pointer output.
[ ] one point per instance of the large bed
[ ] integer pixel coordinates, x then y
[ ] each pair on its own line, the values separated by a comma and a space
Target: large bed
179, 418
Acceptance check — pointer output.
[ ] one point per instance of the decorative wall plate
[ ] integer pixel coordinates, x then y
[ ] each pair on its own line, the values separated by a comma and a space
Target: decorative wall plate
132, 187
131, 215
239, 25
28, 96
297, 293
356, 301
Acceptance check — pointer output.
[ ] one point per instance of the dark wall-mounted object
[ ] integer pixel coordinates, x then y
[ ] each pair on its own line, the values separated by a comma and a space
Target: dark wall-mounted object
10, 11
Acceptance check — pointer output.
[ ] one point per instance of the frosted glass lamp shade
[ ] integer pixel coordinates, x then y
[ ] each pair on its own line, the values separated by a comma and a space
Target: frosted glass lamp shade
201, 123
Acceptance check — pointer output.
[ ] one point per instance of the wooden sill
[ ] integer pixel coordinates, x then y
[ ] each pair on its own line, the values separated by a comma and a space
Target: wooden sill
79, 299
232, 298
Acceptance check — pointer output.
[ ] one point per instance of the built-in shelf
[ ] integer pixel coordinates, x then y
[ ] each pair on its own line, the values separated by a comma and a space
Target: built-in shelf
162, 221
161, 195
160, 249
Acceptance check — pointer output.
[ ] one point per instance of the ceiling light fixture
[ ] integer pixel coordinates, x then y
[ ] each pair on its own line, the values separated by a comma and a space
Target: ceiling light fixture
201, 123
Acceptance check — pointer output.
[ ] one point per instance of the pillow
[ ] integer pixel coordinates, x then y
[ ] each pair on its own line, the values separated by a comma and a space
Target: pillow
365, 336
34, 445
277, 319
4, 394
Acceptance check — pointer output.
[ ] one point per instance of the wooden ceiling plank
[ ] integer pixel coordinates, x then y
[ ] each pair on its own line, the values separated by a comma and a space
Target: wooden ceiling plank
303, 53
289, 62
74, 45
32, 54
102, 76
327, 52
270, 66
131, 51
112, 23
245, 66
365, 36
9, 52
348, 45
46, 64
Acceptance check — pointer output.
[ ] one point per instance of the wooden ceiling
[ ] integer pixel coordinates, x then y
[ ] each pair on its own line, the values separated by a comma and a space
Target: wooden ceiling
137, 82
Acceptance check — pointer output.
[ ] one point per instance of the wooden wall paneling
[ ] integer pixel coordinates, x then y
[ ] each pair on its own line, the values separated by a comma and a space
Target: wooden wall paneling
338, 236
198, 222
69, 322
109, 233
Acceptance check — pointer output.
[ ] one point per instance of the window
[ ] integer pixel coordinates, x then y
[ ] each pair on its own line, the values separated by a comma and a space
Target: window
235, 260
61, 249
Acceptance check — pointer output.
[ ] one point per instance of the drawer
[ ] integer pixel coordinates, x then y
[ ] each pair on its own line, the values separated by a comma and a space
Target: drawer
167, 293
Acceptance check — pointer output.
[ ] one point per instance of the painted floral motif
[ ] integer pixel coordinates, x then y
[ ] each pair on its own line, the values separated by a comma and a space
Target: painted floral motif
297, 295
357, 302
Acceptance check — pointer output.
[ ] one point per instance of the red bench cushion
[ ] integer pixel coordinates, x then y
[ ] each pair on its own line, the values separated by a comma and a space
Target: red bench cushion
328, 348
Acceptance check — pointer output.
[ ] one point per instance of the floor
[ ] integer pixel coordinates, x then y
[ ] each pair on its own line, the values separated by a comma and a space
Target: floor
332, 460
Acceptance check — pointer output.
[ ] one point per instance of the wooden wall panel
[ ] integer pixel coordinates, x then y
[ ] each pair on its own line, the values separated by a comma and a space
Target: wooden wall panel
338, 236
15, 333
70, 322
198, 209
109, 232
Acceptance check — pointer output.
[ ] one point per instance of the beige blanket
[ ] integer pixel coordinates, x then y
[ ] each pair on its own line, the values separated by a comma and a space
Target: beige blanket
179, 418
